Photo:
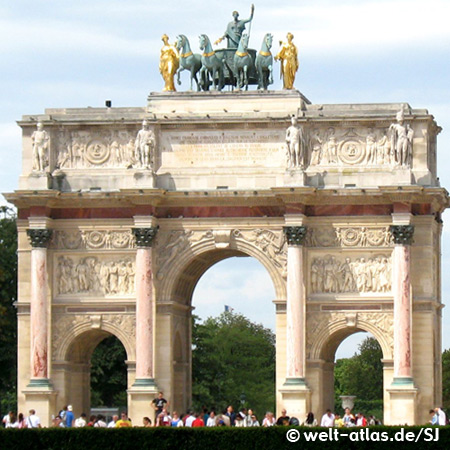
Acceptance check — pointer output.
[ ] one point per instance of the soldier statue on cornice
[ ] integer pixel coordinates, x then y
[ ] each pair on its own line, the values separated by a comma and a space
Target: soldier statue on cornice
235, 29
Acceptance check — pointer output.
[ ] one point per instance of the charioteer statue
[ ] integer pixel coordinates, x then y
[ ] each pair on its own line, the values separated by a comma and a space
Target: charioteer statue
235, 29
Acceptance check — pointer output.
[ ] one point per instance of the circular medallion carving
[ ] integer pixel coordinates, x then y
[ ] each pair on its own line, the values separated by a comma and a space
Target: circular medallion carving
97, 152
96, 239
351, 236
351, 152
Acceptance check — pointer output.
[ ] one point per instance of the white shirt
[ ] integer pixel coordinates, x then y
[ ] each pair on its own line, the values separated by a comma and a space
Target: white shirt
189, 421
327, 420
211, 422
111, 424
80, 422
33, 421
441, 417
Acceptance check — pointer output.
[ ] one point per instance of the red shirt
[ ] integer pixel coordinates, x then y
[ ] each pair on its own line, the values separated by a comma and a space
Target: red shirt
198, 422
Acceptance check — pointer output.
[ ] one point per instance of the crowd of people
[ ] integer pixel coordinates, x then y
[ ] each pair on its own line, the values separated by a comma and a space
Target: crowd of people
206, 418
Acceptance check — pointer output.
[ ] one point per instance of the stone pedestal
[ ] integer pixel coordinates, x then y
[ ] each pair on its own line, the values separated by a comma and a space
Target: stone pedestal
296, 399
140, 402
43, 401
295, 177
403, 405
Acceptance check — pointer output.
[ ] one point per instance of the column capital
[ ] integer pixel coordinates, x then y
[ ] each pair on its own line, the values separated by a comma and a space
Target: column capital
295, 235
402, 234
39, 237
144, 236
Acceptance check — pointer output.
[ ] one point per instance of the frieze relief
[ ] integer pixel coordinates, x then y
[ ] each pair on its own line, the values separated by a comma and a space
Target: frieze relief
93, 239
65, 325
90, 275
362, 147
337, 274
107, 148
318, 322
349, 237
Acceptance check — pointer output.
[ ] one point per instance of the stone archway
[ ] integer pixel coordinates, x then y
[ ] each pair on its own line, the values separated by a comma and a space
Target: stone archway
331, 329
78, 336
174, 296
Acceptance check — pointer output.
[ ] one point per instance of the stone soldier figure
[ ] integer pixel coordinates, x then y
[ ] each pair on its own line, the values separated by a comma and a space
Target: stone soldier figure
401, 140
235, 29
144, 146
294, 141
40, 140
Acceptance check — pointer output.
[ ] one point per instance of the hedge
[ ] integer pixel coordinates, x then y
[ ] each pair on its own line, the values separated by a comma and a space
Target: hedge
213, 438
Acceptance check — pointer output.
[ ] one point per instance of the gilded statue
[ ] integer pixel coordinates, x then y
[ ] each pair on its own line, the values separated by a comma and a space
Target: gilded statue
289, 62
235, 29
168, 63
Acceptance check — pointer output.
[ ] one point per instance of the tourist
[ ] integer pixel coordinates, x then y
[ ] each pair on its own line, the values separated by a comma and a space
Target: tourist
100, 423
33, 420
198, 422
92, 420
361, 421
283, 419
159, 403
124, 421
254, 422
338, 421
239, 420
189, 418
176, 420
310, 421
21, 422
327, 419
112, 424
348, 416
225, 419
205, 414
81, 421
442, 418
69, 416
269, 420
7, 419
212, 419
147, 422
231, 415
63, 413
13, 423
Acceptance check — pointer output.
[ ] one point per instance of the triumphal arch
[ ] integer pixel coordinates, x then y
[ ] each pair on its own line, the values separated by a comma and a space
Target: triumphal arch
121, 211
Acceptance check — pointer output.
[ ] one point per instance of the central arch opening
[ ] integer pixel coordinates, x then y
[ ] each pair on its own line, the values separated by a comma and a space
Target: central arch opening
233, 335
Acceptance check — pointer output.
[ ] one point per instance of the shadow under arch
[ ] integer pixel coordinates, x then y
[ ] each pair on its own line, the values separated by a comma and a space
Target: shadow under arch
181, 279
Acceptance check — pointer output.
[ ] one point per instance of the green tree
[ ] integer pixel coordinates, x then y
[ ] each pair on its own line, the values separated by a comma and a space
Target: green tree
8, 316
232, 356
109, 374
446, 379
361, 375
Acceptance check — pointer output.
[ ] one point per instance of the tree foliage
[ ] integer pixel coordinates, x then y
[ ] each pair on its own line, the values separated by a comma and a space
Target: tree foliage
446, 379
8, 316
109, 374
232, 356
362, 374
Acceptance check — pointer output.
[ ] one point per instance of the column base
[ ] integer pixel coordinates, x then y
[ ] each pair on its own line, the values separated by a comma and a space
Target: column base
296, 398
403, 403
40, 396
140, 397
402, 381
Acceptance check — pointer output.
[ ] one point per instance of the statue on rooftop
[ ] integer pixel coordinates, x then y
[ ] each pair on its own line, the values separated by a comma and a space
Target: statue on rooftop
145, 146
401, 140
289, 61
168, 63
235, 29
40, 140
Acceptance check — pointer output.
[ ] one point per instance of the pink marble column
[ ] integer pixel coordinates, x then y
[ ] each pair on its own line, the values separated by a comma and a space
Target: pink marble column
39, 239
295, 306
401, 289
144, 307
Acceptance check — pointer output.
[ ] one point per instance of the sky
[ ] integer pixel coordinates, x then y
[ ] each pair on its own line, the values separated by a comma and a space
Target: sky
56, 53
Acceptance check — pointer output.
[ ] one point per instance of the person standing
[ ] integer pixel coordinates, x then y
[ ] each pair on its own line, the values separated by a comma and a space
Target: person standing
159, 403
327, 419
33, 420
81, 421
124, 421
69, 416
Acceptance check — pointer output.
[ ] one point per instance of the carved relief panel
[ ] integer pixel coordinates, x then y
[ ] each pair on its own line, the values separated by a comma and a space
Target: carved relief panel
93, 239
350, 273
89, 275
80, 149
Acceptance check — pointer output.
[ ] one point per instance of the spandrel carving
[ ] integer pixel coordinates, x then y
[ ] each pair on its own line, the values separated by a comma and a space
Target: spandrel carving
90, 275
335, 275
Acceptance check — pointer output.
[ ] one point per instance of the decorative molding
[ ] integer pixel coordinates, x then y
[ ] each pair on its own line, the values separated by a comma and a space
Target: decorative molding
335, 274
90, 275
39, 237
145, 236
93, 239
402, 234
355, 236
295, 235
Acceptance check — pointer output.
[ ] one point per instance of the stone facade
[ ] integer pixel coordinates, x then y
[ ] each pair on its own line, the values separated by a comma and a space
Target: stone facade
129, 242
